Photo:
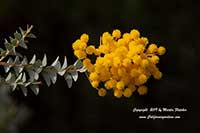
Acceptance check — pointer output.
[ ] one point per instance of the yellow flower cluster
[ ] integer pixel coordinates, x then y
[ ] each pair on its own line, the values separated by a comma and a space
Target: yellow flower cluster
123, 63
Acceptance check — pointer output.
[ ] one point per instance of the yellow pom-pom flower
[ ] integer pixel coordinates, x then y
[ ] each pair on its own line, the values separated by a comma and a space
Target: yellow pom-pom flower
90, 50
118, 93
122, 62
127, 92
142, 90
80, 54
116, 33
102, 92
95, 84
161, 50
84, 37
152, 48
120, 85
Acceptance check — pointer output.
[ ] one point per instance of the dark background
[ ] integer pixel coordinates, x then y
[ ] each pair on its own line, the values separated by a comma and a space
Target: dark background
174, 24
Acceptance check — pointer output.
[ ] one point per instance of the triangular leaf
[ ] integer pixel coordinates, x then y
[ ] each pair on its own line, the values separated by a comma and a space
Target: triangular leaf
74, 75
23, 44
44, 60
65, 63
8, 77
35, 89
46, 78
33, 59
31, 35
78, 64
68, 78
21, 30
61, 73
17, 35
7, 67
19, 77
53, 77
24, 90
55, 62
24, 77
24, 61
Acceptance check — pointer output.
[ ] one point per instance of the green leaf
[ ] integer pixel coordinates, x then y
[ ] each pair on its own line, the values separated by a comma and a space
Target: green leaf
31, 35
13, 51
81, 70
78, 64
37, 66
24, 77
14, 42
3, 53
55, 62
7, 68
18, 69
64, 66
17, 35
46, 78
1, 50
74, 75
16, 61
21, 30
14, 86
8, 78
19, 78
35, 89
32, 75
62, 72
53, 77
68, 78
24, 90
24, 61
65, 63
8, 46
44, 60
33, 59
23, 45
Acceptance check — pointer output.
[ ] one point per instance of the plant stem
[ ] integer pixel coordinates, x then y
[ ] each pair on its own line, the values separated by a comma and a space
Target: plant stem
18, 41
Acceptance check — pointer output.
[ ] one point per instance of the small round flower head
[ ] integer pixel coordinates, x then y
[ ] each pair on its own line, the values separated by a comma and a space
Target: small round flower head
142, 90
144, 63
122, 62
90, 50
118, 93
127, 92
102, 92
120, 85
80, 54
95, 84
137, 59
157, 75
152, 48
161, 50
135, 34
110, 84
116, 33
93, 76
134, 73
86, 62
141, 79
84, 37
126, 62
154, 59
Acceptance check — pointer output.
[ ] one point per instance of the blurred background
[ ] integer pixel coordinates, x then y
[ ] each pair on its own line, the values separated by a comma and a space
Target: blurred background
57, 24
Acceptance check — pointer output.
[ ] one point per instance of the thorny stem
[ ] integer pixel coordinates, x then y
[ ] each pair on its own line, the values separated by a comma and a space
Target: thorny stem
18, 41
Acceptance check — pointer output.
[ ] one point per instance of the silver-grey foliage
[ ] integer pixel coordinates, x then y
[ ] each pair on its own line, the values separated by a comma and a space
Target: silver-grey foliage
20, 73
